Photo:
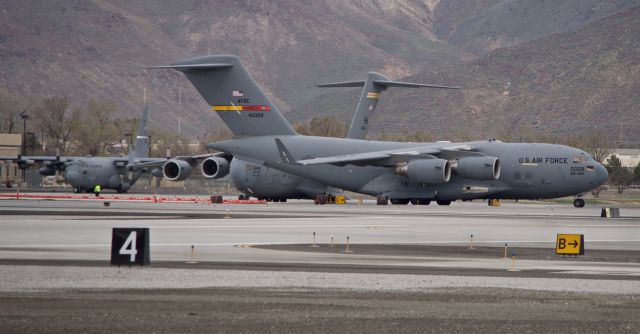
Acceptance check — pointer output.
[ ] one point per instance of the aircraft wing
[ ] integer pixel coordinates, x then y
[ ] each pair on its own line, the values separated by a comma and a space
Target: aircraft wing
444, 150
31, 159
343, 159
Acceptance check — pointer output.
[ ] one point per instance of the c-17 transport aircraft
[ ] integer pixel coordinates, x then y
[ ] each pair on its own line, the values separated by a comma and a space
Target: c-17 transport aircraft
404, 172
83, 173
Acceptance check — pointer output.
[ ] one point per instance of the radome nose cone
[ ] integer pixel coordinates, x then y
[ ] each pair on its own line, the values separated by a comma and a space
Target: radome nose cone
601, 174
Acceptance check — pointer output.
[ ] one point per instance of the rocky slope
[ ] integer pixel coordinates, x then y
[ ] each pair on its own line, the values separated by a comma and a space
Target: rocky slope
99, 49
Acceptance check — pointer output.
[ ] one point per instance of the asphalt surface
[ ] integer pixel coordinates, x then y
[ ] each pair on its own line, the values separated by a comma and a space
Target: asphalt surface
410, 268
475, 310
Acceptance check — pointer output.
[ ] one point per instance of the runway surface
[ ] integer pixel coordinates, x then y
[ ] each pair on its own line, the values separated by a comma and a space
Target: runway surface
279, 234
410, 269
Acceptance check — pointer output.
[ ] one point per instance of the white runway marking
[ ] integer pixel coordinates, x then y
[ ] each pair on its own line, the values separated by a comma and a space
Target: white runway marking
608, 226
279, 226
425, 242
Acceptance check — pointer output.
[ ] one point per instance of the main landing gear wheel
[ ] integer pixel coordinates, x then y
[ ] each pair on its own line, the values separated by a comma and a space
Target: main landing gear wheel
399, 201
441, 202
578, 203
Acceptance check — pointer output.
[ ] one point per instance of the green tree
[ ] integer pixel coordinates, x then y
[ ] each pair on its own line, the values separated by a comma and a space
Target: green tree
613, 162
636, 173
617, 174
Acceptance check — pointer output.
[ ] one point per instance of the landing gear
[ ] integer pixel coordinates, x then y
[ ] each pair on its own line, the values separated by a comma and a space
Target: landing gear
442, 202
77, 190
382, 200
399, 201
420, 201
578, 203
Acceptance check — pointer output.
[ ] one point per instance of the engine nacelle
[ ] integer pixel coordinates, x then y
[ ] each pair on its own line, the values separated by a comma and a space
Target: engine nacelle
176, 170
214, 168
478, 168
426, 170
47, 170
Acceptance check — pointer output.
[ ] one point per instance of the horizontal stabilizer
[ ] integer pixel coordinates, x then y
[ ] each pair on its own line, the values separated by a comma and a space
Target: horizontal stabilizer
384, 84
343, 84
193, 67
388, 83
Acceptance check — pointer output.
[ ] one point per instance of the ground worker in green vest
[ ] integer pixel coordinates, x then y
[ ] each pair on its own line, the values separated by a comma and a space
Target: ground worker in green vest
96, 190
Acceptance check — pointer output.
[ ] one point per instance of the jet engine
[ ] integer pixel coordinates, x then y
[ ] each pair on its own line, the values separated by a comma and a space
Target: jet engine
47, 170
176, 170
426, 170
214, 168
478, 168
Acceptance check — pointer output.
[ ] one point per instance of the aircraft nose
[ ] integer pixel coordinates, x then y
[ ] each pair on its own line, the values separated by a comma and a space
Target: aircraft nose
601, 174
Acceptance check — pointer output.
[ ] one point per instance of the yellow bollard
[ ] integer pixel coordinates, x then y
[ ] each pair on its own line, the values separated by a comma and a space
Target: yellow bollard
513, 263
359, 201
314, 240
471, 243
347, 250
191, 259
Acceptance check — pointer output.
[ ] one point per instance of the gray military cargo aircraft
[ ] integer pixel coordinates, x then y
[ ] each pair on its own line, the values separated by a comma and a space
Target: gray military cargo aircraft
83, 173
403, 172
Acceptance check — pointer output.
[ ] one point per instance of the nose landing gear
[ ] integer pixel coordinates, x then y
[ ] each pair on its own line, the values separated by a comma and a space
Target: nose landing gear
578, 203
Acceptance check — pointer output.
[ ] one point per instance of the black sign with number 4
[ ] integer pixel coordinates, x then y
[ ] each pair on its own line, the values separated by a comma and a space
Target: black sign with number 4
130, 246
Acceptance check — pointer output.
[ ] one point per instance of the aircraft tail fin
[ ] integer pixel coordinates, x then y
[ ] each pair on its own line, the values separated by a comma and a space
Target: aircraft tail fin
141, 148
230, 91
374, 85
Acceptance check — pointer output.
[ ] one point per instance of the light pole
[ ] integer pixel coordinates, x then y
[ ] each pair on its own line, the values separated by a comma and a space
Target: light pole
32, 141
24, 118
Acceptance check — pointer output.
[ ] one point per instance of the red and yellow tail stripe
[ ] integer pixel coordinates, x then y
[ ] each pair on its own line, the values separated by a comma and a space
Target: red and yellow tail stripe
241, 108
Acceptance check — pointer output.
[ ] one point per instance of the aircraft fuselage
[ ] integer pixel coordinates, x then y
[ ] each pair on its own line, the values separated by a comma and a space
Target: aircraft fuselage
85, 173
528, 170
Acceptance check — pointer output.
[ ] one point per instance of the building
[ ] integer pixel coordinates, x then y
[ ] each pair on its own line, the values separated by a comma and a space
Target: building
11, 145
628, 157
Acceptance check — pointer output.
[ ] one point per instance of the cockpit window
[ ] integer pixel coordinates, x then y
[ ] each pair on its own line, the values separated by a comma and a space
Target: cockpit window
580, 159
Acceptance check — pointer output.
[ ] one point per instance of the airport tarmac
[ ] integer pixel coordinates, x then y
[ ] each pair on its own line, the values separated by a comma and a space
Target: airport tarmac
59, 251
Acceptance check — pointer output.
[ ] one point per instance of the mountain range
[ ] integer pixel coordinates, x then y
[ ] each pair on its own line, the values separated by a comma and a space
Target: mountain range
525, 66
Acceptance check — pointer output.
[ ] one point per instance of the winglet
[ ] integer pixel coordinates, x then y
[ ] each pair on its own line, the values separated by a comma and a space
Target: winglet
285, 155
